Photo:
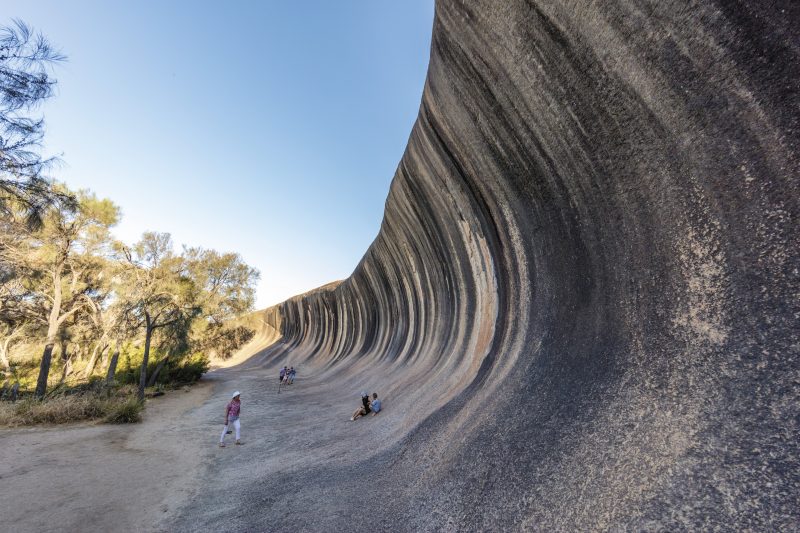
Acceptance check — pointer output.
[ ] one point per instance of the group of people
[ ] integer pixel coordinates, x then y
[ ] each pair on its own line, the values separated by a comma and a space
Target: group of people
367, 406
287, 375
234, 408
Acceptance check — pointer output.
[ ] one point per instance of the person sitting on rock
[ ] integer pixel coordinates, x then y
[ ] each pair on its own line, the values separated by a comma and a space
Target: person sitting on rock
364, 409
375, 404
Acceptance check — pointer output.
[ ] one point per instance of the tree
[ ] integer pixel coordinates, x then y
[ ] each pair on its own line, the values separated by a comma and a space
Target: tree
226, 281
225, 289
68, 283
102, 321
112, 362
174, 341
124, 327
24, 84
106, 322
222, 340
158, 292
12, 330
15, 325
186, 298
59, 266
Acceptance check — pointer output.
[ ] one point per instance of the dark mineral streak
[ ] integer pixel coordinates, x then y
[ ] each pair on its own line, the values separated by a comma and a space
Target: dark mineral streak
583, 303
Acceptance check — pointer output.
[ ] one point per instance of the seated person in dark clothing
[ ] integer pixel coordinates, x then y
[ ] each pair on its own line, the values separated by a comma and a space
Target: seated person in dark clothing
364, 410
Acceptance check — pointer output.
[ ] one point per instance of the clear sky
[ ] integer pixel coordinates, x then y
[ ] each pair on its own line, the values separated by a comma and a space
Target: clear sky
269, 128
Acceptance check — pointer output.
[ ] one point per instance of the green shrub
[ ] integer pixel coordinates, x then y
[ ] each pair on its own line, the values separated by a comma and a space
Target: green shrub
127, 412
130, 363
187, 370
25, 373
179, 369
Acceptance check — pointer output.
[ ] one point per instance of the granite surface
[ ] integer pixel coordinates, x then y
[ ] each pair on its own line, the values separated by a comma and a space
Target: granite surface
582, 307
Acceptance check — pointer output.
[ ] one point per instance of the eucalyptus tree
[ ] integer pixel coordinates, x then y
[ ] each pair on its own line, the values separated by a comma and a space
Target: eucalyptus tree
157, 290
228, 291
14, 327
224, 289
124, 327
59, 266
105, 320
174, 341
226, 281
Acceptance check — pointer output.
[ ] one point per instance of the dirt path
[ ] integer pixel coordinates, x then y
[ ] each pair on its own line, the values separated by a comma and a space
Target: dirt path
167, 474
303, 463
103, 477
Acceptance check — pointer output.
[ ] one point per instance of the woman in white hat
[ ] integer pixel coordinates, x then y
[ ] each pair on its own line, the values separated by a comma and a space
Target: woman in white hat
232, 417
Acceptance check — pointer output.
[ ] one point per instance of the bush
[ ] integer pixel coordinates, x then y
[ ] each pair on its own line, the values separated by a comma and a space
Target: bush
127, 412
130, 361
76, 407
188, 370
58, 410
25, 373
179, 370
6, 414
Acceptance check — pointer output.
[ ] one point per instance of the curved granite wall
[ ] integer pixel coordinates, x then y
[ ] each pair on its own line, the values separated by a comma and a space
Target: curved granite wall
583, 299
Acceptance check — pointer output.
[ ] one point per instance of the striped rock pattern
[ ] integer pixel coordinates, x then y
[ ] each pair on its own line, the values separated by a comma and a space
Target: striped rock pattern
582, 305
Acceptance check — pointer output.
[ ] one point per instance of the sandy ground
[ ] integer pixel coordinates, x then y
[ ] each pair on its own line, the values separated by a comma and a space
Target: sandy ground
104, 477
168, 474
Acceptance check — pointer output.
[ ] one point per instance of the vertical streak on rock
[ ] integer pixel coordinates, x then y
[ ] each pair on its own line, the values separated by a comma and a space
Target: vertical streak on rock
584, 294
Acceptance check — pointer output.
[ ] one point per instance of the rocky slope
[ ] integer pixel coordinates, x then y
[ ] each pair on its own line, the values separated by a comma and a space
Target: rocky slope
582, 307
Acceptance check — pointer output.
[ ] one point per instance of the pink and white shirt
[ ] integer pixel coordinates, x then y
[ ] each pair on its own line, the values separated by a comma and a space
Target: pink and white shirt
233, 410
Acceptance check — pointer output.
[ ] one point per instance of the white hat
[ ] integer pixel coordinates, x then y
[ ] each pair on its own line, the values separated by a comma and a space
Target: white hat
364, 394
235, 394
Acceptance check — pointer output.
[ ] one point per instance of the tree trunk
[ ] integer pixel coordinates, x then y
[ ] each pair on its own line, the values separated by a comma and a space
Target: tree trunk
159, 368
105, 356
44, 370
143, 374
66, 370
4, 355
52, 329
98, 349
112, 365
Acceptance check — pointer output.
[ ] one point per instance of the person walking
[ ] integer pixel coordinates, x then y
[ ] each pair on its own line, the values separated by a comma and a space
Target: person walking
284, 370
232, 411
292, 374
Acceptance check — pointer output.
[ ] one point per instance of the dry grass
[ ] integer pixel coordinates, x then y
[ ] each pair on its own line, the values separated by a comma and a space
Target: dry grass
64, 409
126, 412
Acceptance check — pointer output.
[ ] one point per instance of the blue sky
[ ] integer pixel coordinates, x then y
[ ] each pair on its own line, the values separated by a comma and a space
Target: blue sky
271, 128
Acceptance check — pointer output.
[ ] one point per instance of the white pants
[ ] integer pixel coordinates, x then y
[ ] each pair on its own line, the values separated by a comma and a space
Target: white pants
236, 425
